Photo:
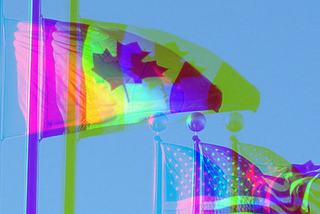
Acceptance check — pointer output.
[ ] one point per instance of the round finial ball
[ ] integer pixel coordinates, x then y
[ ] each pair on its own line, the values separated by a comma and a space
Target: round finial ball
234, 121
158, 122
196, 122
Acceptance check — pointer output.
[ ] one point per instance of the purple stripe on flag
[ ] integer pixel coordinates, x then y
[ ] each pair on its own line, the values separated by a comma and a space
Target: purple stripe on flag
52, 123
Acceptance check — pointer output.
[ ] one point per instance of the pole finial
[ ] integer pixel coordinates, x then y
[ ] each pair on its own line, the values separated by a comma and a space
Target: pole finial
196, 122
158, 122
234, 122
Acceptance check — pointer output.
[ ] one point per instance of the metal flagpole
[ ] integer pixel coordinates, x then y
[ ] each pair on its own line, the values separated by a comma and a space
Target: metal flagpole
196, 123
196, 175
2, 55
234, 122
235, 168
2, 58
158, 176
158, 123
71, 114
32, 128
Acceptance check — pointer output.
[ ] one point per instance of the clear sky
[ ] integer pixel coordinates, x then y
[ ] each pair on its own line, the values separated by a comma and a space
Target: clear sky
274, 44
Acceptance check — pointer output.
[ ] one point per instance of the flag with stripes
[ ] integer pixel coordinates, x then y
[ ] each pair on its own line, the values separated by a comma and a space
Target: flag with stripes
194, 187
265, 159
296, 184
216, 179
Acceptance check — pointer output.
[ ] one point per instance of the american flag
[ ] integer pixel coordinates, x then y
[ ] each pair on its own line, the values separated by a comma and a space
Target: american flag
198, 185
241, 175
296, 186
265, 159
215, 179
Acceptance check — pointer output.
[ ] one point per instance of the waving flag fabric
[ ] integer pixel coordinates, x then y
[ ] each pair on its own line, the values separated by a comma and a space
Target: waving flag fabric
123, 75
210, 186
186, 182
265, 159
308, 168
287, 192
241, 175
311, 178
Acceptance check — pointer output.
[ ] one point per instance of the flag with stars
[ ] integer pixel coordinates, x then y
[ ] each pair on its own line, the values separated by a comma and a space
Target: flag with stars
265, 159
196, 185
239, 176
216, 179
100, 77
288, 188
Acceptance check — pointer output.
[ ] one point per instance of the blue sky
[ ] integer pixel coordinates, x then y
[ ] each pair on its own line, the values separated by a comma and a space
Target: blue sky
273, 44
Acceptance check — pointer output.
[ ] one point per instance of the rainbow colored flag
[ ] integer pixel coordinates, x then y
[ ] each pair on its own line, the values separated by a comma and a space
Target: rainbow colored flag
120, 75
92, 78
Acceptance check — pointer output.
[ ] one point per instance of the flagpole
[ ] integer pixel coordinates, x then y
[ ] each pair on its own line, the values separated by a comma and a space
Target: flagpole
157, 123
196, 175
32, 128
71, 115
196, 123
158, 176
235, 166
234, 122
2, 55
2, 67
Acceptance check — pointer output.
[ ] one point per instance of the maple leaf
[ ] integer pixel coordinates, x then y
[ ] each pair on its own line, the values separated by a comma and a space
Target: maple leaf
109, 69
168, 56
125, 65
140, 69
